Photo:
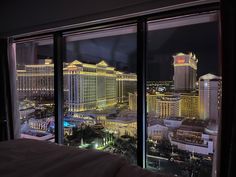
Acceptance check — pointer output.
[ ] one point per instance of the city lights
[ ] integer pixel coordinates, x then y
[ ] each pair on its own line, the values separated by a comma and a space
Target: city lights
183, 103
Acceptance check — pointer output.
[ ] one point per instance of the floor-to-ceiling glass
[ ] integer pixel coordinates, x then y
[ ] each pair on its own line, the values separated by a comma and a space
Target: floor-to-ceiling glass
100, 90
184, 88
35, 88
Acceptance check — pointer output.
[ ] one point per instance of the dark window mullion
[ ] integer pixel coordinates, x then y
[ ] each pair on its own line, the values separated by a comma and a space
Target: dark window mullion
6, 119
141, 91
58, 86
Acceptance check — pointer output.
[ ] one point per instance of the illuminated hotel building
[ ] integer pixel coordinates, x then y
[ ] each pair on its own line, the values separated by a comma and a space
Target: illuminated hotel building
151, 102
133, 101
89, 86
168, 106
185, 72
160, 104
86, 86
210, 91
122, 126
35, 81
189, 105
125, 84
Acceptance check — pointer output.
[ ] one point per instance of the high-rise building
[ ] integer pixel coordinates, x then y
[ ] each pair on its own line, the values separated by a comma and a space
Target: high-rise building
185, 72
151, 102
86, 86
125, 85
158, 104
36, 81
90, 86
133, 101
168, 106
189, 105
210, 91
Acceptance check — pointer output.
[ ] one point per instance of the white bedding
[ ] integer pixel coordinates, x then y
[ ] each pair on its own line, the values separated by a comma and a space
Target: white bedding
32, 158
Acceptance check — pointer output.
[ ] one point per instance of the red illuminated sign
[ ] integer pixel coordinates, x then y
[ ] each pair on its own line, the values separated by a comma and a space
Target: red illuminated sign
180, 60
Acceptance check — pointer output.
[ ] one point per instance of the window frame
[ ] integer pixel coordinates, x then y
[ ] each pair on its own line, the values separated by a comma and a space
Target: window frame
141, 21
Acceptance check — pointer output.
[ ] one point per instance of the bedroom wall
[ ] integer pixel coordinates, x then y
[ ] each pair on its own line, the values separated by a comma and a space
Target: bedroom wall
29, 15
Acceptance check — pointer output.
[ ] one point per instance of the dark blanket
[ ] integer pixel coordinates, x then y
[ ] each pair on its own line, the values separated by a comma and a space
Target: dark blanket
32, 158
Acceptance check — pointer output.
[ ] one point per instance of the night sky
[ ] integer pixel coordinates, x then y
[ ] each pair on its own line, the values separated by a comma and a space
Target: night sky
120, 51
201, 39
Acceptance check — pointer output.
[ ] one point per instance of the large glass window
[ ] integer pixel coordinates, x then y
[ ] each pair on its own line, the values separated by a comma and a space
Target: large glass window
183, 96
100, 90
35, 88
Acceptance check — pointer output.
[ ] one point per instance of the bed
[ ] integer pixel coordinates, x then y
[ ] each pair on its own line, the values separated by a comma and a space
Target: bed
32, 158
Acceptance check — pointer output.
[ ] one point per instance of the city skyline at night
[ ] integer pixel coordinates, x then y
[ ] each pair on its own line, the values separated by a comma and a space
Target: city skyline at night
100, 95
94, 93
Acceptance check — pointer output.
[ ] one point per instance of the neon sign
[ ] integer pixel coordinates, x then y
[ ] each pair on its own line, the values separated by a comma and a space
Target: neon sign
180, 60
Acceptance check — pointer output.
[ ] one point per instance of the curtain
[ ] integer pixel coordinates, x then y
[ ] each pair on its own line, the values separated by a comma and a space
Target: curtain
5, 100
13, 91
228, 126
9, 119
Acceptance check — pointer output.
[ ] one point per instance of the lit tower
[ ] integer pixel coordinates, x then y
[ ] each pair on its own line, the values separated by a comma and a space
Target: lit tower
185, 71
210, 87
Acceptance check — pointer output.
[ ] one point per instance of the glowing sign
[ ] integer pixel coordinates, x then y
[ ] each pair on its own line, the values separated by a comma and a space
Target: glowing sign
180, 60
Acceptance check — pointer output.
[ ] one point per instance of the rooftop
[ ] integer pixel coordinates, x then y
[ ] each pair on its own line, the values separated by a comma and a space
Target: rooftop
210, 76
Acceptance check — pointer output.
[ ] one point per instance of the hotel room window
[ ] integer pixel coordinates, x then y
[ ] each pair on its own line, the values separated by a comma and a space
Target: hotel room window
184, 86
35, 88
99, 90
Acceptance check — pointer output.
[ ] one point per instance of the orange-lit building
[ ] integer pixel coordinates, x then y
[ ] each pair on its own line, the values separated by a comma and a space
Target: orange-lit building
185, 71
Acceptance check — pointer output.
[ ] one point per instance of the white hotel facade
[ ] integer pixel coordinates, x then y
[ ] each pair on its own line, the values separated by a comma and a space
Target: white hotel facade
86, 86
36, 81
